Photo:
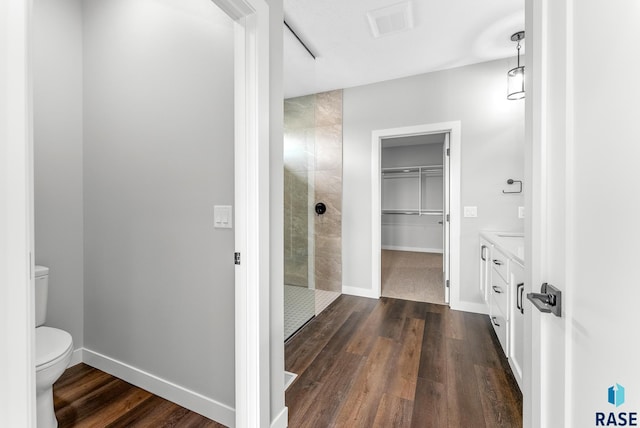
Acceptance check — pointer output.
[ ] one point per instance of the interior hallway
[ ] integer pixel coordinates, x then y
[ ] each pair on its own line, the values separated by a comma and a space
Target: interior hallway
396, 363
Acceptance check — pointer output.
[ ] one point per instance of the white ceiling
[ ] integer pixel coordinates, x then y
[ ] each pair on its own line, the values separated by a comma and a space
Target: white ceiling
445, 34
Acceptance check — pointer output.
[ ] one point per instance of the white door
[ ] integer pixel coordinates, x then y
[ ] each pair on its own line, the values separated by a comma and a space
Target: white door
582, 369
446, 217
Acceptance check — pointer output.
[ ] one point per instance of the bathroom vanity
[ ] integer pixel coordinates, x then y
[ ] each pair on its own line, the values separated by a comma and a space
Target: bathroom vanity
502, 287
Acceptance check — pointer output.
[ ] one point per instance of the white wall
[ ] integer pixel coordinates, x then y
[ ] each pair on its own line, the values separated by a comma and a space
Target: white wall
276, 214
158, 155
57, 113
492, 152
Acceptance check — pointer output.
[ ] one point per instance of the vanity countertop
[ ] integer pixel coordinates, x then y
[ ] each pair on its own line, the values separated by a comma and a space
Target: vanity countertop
512, 243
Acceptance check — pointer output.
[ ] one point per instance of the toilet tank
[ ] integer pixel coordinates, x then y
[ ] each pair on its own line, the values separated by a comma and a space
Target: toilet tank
41, 293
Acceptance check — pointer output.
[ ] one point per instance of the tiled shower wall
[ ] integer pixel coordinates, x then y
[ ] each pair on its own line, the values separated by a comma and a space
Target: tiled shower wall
313, 173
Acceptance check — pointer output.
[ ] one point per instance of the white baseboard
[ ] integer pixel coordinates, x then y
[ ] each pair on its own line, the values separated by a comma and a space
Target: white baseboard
413, 249
186, 398
76, 357
478, 308
360, 292
282, 420
288, 379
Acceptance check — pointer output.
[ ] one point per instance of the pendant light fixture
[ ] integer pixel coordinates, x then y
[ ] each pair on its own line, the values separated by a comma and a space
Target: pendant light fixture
515, 76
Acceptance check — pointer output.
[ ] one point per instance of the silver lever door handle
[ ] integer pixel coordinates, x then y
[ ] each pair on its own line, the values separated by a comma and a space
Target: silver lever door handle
549, 300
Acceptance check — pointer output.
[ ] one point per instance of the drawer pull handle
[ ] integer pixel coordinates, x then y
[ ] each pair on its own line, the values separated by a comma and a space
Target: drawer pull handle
482, 253
494, 322
497, 262
497, 289
520, 292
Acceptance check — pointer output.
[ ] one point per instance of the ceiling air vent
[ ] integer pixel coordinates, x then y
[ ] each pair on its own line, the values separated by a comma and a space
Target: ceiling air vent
390, 19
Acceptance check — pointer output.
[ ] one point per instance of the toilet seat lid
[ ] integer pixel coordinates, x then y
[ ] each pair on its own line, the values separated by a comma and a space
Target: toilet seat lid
51, 344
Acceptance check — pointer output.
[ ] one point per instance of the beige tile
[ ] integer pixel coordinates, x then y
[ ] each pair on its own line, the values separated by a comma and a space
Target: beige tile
328, 148
329, 108
327, 245
328, 271
299, 112
328, 181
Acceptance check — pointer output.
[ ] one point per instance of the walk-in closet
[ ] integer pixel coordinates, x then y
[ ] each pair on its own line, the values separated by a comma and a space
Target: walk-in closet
413, 194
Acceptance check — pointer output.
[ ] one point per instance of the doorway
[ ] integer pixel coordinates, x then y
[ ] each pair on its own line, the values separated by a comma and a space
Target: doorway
413, 177
251, 185
408, 205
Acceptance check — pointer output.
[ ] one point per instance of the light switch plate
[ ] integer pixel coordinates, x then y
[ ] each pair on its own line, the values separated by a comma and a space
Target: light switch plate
223, 216
520, 212
471, 211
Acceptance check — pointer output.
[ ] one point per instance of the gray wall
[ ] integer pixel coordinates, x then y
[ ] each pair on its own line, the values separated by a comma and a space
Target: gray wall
158, 154
410, 232
57, 108
492, 152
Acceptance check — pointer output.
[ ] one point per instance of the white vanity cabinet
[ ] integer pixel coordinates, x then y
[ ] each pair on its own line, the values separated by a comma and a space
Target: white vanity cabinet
502, 282
499, 296
516, 321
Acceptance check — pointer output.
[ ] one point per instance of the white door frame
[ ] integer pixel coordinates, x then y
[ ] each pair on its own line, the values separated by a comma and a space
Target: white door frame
17, 323
547, 389
535, 239
252, 333
17, 373
454, 130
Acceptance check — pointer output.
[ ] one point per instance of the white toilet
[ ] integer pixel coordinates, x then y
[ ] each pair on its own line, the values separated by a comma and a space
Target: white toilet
53, 353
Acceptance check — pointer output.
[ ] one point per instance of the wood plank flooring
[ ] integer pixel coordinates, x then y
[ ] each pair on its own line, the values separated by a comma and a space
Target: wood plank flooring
87, 397
395, 363
361, 363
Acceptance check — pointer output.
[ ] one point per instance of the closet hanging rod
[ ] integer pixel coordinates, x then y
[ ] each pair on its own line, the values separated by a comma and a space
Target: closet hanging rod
413, 212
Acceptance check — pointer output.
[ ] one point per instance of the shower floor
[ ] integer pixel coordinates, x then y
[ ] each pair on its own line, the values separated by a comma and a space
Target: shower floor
301, 304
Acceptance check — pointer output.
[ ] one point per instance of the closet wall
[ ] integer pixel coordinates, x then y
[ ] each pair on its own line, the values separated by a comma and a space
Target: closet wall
412, 195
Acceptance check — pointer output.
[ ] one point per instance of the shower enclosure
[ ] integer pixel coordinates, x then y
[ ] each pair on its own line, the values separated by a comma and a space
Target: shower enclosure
313, 205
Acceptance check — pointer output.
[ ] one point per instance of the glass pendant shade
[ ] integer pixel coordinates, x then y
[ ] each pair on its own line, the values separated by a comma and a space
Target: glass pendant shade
515, 76
515, 83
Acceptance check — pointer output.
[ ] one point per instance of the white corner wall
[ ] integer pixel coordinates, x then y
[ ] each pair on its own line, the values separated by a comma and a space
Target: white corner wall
57, 98
158, 155
278, 411
492, 147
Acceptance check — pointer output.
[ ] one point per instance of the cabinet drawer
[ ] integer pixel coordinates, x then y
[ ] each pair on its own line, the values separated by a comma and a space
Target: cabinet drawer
500, 264
499, 291
500, 327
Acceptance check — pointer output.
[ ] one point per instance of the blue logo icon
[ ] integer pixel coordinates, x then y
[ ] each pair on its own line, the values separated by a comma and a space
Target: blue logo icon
616, 395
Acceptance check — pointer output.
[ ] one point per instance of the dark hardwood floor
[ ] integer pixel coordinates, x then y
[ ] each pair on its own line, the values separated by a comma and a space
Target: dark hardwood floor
361, 363
396, 363
88, 397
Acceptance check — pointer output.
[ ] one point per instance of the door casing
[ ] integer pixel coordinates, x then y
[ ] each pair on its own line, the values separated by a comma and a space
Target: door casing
452, 128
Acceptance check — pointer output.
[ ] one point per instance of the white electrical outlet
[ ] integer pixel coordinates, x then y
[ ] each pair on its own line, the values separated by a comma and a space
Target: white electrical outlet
471, 211
520, 212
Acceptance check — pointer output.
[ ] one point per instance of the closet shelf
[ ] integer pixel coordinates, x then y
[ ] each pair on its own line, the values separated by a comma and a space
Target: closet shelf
413, 212
411, 171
